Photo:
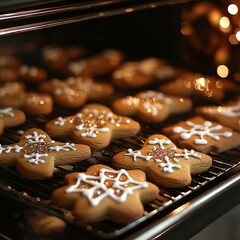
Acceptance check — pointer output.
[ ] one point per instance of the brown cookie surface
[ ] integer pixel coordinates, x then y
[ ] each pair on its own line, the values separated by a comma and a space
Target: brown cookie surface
104, 193
164, 163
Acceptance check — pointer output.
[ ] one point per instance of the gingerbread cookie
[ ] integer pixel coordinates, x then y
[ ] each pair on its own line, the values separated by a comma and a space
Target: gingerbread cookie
164, 163
37, 103
151, 106
101, 64
191, 84
95, 125
75, 91
42, 223
203, 135
11, 117
228, 115
139, 74
9, 66
32, 74
56, 58
104, 193
14, 95
35, 155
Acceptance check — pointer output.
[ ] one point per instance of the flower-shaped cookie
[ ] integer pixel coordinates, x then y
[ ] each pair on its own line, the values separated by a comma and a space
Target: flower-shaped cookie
36, 154
142, 73
151, 106
75, 91
104, 193
11, 117
95, 125
203, 135
164, 163
228, 115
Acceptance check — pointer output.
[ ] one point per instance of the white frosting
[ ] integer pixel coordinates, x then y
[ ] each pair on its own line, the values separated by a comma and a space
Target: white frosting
37, 150
6, 111
160, 142
168, 166
228, 111
8, 149
137, 154
99, 188
201, 130
91, 132
160, 157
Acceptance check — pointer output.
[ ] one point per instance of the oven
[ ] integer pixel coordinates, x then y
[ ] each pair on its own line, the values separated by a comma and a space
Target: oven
171, 30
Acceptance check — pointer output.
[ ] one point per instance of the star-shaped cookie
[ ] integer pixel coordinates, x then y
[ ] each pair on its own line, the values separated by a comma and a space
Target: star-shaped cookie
164, 163
151, 106
95, 125
36, 154
104, 193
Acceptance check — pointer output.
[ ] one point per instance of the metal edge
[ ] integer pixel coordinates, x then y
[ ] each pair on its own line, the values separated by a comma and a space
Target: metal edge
90, 16
161, 226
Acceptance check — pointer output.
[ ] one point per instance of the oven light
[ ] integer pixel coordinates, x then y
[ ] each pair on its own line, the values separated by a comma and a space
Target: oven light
222, 71
233, 9
224, 22
201, 84
238, 35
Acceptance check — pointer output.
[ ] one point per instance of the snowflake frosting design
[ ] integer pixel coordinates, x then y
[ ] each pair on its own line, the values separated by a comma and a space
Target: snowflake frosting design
163, 162
166, 158
37, 148
95, 125
104, 193
201, 130
109, 183
151, 106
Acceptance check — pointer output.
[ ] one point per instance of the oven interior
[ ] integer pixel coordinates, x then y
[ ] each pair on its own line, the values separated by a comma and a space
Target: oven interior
149, 33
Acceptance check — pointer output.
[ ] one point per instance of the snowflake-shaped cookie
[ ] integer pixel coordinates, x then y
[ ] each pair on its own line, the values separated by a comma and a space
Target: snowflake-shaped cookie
203, 135
35, 155
105, 193
151, 106
95, 125
164, 163
10, 117
75, 91
228, 115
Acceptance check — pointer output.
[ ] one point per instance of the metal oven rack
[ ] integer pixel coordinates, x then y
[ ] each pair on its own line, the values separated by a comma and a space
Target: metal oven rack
172, 207
177, 212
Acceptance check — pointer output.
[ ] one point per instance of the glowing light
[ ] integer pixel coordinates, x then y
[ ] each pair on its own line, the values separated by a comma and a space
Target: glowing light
127, 10
238, 35
232, 39
233, 9
224, 22
201, 84
222, 71
186, 29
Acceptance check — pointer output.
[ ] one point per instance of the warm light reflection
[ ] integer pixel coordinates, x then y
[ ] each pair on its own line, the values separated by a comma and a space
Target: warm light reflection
232, 39
222, 71
238, 35
201, 84
186, 29
224, 22
233, 9
129, 10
